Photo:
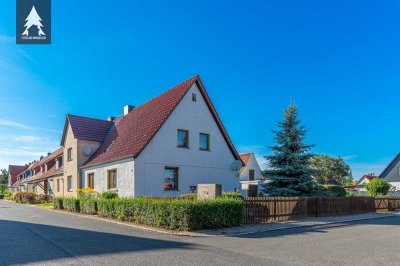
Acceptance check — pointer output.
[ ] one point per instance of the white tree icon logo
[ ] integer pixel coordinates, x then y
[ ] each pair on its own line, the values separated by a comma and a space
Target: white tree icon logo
33, 19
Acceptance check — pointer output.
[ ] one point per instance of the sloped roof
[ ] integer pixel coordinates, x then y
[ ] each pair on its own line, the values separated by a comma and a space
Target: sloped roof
245, 157
86, 128
16, 169
369, 177
390, 166
133, 133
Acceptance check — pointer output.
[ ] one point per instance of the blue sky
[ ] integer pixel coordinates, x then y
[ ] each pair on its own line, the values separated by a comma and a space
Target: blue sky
339, 61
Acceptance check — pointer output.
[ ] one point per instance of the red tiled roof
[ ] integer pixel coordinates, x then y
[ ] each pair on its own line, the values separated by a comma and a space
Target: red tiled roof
245, 157
132, 134
16, 169
86, 128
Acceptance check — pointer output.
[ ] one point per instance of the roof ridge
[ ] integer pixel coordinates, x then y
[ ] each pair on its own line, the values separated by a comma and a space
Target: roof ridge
105, 120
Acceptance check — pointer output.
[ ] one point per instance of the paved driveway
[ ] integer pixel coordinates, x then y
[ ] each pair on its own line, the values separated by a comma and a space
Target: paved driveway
36, 236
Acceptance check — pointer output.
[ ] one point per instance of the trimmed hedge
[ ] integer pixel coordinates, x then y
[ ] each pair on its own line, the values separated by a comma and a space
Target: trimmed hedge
109, 195
175, 214
231, 195
58, 203
88, 205
71, 204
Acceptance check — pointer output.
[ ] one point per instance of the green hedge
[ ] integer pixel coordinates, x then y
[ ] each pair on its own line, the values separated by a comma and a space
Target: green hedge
335, 190
175, 214
71, 204
58, 203
88, 205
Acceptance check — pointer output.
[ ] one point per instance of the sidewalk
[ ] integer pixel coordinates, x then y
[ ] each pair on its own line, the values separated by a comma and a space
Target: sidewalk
318, 221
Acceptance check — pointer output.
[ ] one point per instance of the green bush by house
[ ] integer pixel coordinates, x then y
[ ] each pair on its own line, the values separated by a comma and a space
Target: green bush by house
88, 205
377, 187
71, 204
25, 197
58, 203
109, 195
336, 191
231, 195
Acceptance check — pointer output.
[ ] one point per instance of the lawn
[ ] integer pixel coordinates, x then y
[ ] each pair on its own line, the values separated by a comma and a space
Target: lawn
45, 205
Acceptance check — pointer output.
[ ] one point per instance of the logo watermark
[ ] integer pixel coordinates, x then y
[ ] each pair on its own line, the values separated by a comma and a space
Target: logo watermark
33, 22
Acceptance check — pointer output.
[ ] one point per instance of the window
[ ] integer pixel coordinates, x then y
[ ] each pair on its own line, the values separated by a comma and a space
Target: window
183, 138
194, 97
112, 179
58, 185
69, 154
69, 183
90, 182
251, 174
171, 178
204, 140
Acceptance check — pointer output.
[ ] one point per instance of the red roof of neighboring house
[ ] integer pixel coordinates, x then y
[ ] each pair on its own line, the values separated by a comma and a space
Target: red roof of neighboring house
369, 176
15, 170
136, 129
245, 157
86, 128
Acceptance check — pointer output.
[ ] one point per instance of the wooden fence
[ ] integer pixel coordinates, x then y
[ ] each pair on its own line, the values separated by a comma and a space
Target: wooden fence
272, 209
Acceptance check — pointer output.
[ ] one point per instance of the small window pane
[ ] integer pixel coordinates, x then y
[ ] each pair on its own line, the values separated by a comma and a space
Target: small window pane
69, 183
204, 141
69, 154
183, 138
194, 97
170, 178
112, 179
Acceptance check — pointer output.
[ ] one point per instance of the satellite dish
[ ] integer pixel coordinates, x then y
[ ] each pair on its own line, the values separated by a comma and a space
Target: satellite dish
87, 150
236, 165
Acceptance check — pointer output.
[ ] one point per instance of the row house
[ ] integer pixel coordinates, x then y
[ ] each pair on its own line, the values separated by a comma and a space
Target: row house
164, 147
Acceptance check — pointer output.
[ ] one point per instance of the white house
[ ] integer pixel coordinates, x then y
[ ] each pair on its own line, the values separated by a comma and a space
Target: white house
392, 173
164, 147
251, 177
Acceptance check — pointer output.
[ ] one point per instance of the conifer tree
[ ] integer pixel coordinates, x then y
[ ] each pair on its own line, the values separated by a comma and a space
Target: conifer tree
289, 166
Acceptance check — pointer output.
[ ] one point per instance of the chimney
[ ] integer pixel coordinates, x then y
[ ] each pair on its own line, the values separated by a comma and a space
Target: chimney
110, 118
48, 153
128, 108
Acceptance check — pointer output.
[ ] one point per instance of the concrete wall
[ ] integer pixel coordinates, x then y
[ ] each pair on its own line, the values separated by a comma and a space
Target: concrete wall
195, 166
125, 177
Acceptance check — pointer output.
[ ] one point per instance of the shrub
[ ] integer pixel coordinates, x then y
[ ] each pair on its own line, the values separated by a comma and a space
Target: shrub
335, 191
175, 214
7, 195
377, 186
71, 204
109, 195
58, 203
231, 195
188, 197
88, 205
3, 189
25, 197
44, 198
87, 192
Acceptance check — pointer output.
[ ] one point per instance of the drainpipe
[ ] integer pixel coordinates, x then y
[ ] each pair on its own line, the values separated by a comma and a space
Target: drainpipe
62, 181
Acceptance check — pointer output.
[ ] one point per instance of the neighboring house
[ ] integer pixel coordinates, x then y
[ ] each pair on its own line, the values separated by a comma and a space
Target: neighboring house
250, 177
392, 173
13, 173
358, 187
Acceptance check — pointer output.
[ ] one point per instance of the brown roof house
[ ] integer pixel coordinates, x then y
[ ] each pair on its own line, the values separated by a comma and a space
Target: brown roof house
164, 147
251, 178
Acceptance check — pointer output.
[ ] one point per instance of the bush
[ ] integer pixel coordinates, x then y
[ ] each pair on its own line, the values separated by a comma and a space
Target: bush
3, 189
175, 214
71, 204
87, 192
335, 191
377, 186
109, 195
58, 203
231, 195
188, 197
25, 197
88, 206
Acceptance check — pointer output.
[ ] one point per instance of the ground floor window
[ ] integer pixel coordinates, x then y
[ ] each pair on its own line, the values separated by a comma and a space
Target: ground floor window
90, 180
171, 178
69, 183
112, 179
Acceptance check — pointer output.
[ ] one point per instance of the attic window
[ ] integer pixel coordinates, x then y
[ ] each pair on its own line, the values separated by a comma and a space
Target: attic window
194, 97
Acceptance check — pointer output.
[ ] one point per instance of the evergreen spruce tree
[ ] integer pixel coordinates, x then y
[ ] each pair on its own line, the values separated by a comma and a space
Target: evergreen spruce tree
289, 166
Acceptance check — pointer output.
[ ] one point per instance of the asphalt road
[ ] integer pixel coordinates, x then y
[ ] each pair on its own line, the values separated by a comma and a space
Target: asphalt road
34, 236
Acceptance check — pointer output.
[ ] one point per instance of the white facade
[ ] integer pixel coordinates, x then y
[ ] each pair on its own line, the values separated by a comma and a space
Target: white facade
251, 165
145, 175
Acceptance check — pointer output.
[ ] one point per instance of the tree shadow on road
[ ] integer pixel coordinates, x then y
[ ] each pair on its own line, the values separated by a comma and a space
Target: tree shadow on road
33, 243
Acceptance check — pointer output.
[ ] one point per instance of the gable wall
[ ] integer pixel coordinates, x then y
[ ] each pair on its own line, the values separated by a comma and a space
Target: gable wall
195, 166
393, 175
252, 164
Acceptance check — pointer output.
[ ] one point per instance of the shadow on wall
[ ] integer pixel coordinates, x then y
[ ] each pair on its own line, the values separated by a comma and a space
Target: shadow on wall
32, 243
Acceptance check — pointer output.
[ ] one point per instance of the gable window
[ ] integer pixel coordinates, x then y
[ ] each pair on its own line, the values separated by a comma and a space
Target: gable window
171, 178
183, 138
69, 154
251, 174
90, 182
204, 141
69, 183
194, 97
112, 179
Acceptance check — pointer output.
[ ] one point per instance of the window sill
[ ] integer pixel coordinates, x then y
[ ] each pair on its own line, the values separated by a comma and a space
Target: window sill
204, 150
171, 190
182, 147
